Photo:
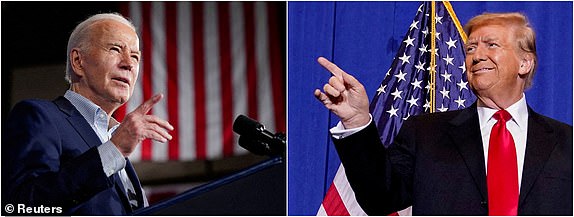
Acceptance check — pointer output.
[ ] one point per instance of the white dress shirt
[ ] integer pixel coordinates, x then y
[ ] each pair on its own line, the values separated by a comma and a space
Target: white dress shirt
517, 126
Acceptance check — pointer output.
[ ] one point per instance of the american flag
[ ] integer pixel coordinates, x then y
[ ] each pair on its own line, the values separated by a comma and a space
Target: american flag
212, 61
427, 75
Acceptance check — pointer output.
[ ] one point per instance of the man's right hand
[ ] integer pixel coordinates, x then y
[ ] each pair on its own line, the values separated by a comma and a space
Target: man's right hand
345, 96
138, 125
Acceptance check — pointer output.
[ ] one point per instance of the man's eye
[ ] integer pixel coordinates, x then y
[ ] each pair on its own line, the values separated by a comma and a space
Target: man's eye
492, 45
116, 49
136, 57
469, 49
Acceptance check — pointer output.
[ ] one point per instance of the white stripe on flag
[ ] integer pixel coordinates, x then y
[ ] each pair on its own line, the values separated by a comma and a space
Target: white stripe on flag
212, 79
238, 69
186, 105
266, 115
346, 193
322, 211
136, 99
159, 75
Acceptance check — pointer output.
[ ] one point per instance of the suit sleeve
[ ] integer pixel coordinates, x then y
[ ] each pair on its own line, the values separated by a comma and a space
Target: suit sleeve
381, 178
37, 169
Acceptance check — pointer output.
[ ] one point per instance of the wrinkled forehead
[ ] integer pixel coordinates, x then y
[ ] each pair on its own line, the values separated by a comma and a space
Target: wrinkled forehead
112, 31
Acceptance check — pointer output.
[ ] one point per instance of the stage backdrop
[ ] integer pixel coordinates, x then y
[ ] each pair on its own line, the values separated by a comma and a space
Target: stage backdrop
363, 38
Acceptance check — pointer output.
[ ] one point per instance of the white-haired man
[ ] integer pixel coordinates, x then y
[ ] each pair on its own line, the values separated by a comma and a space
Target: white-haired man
70, 154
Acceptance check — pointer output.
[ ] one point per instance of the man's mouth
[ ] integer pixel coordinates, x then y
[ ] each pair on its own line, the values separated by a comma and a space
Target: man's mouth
482, 69
122, 80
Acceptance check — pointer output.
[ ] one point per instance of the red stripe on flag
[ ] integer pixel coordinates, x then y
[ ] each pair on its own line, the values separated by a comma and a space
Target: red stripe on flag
251, 60
277, 73
147, 64
172, 73
226, 86
199, 79
333, 204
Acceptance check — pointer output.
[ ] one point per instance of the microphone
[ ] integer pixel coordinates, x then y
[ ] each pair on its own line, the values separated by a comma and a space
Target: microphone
256, 139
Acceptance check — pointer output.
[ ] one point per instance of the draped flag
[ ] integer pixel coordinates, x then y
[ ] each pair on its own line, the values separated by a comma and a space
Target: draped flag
427, 75
212, 61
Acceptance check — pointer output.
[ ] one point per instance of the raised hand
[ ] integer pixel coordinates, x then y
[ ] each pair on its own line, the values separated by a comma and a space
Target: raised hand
345, 96
138, 125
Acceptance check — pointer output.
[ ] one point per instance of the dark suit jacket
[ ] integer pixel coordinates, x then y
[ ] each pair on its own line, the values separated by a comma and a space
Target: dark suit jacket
50, 159
436, 164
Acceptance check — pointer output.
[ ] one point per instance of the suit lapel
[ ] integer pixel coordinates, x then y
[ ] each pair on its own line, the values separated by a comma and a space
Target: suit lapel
122, 192
465, 132
78, 122
540, 141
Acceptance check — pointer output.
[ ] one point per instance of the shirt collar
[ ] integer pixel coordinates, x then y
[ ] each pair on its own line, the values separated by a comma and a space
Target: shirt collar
87, 108
518, 111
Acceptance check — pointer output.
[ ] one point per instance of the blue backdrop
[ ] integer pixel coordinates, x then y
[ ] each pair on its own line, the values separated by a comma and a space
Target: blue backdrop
362, 38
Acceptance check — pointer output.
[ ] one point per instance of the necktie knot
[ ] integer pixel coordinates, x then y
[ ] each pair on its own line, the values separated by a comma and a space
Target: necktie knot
502, 115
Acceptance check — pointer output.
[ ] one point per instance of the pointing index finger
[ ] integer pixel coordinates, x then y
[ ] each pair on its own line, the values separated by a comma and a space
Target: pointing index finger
334, 69
145, 107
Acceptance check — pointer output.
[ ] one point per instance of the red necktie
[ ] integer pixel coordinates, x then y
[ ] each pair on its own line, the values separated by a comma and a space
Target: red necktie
502, 174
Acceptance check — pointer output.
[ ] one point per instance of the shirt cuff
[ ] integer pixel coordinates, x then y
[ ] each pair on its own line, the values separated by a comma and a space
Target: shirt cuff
339, 131
112, 159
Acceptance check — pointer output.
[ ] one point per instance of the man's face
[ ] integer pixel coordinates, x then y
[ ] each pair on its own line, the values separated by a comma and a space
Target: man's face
110, 63
492, 61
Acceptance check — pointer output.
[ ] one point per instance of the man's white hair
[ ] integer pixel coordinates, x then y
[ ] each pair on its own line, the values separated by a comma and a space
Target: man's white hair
80, 35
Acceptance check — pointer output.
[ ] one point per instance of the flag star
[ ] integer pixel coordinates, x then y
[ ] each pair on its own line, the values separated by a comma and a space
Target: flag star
433, 67
445, 93
462, 85
435, 51
438, 19
405, 58
392, 111
463, 67
428, 87
460, 102
442, 108
388, 72
381, 89
397, 94
423, 49
413, 101
437, 36
414, 25
427, 105
401, 76
451, 43
417, 83
446, 76
409, 41
425, 32
448, 60
420, 8
420, 66
407, 117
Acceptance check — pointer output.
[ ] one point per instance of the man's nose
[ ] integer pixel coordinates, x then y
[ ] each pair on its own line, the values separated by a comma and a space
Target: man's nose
127, 62
478, 55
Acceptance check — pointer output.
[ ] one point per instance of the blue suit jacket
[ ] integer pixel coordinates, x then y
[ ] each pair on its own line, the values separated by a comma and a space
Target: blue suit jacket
436, 164
50, 158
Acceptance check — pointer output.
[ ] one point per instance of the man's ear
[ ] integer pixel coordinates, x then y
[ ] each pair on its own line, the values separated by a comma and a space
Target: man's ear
526, 64
76, 62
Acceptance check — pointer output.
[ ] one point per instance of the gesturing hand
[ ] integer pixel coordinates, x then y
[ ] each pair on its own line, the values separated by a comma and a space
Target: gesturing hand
345, 96
138, 125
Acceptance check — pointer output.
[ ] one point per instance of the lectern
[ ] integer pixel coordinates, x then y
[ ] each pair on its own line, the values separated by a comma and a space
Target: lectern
258, 190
